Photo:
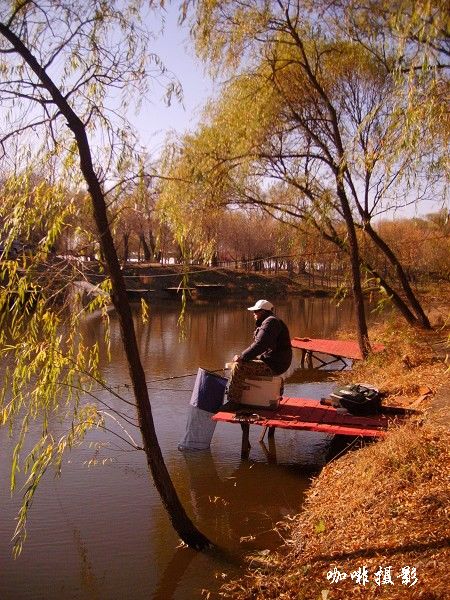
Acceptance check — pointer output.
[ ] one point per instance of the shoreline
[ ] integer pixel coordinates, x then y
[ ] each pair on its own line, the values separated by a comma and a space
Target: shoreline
378, 511
209, 283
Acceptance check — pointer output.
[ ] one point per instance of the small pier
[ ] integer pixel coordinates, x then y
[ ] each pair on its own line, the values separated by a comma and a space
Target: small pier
209, 289
136, 294
88, 291
302, 414
204, 290
174, 290
335, 351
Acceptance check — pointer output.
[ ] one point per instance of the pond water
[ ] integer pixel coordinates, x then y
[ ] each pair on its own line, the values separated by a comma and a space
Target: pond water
99, 532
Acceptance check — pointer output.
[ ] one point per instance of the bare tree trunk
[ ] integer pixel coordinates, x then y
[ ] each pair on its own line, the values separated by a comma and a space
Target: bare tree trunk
146, 249
126, 247
394, 296
422, 318
180, 520
358, 298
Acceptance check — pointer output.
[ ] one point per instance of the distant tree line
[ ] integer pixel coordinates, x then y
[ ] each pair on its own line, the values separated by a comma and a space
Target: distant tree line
245, 240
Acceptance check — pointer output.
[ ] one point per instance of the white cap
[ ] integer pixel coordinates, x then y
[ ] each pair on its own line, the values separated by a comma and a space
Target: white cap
261, 305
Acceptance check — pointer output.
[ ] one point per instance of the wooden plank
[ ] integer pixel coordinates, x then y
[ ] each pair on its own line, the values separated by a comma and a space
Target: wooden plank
310, 415
336, 348
245, 446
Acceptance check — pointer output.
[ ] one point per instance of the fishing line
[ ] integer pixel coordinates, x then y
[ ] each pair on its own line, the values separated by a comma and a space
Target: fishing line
128, 386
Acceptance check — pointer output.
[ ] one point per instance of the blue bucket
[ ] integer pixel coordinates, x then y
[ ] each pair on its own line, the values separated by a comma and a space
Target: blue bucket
207, 397
209, 391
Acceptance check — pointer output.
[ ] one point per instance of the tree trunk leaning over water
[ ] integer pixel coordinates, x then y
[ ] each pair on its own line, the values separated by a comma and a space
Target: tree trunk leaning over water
180, 520
421, 318
358, 296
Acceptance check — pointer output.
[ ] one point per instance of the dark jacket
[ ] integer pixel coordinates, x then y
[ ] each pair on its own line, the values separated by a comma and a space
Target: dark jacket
272, 344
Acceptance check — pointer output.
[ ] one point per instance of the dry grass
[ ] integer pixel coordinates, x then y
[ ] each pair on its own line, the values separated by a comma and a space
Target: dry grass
385, 505
382, 506
410, 370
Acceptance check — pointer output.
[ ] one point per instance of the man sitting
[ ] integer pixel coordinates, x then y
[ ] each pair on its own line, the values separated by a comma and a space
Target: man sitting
269, 355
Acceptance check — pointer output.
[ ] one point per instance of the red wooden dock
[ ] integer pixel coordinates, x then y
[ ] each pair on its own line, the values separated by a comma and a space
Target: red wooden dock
337, 349
305, 414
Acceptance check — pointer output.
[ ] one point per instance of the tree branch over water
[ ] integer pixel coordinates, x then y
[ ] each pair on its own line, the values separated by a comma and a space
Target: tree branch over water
117, 63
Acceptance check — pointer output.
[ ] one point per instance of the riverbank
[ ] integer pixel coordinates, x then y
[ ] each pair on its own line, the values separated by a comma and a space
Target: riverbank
374, 526
202, 283
375, 522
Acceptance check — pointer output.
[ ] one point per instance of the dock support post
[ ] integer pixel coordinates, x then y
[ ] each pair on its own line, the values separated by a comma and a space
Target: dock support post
261, 437
271, 433
306, 358
245, 447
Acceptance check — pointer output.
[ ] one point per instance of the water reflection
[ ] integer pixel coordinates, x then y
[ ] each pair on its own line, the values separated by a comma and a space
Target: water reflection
101, 532
173, 573
238, 507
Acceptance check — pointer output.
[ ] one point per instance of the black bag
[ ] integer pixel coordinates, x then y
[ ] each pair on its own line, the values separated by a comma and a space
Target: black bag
358, 399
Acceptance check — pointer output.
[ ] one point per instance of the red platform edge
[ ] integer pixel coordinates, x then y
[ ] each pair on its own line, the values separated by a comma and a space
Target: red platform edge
308, 414
344, 348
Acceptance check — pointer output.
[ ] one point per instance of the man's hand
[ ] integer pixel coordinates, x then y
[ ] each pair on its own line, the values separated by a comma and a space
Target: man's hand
236, 358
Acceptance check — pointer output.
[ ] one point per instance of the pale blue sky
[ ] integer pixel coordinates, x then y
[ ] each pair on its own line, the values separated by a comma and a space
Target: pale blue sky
176, 51
156, 120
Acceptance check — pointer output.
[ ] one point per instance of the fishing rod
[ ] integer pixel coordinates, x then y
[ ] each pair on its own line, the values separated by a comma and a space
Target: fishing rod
185, 375
160, 380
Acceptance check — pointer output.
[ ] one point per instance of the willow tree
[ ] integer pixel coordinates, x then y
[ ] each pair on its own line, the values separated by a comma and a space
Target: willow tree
69, 70
363, 103
305, 110
204, 171
247, 140
410, 42
416, 31
366, 125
